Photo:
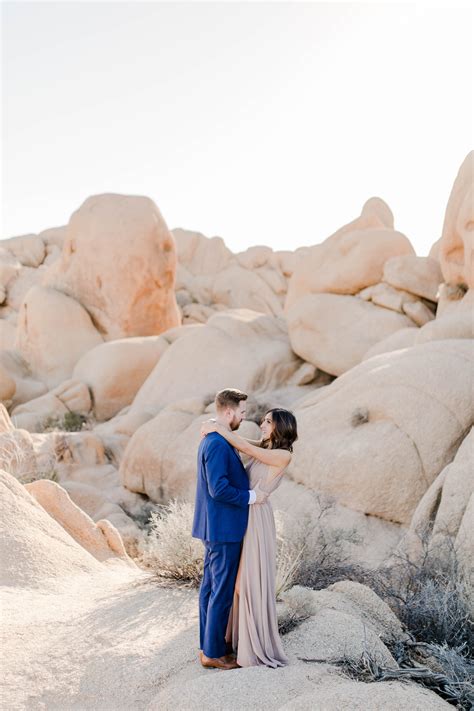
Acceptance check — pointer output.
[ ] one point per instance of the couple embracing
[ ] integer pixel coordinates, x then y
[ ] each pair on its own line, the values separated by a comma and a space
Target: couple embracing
234, 519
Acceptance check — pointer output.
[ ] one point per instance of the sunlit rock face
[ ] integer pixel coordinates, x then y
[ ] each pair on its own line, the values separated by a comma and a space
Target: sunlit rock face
119, 261
350, 259
47, 319
378, 436
456, 248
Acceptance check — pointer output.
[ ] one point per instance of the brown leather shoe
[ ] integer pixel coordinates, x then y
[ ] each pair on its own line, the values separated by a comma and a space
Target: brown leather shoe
219, 663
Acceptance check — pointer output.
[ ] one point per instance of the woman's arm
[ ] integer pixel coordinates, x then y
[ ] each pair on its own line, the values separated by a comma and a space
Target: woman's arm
272, 457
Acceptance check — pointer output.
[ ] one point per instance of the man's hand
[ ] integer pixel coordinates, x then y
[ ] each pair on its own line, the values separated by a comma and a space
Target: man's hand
261, 495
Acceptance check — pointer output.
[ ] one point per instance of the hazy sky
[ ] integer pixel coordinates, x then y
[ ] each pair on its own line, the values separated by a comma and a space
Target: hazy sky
264, 123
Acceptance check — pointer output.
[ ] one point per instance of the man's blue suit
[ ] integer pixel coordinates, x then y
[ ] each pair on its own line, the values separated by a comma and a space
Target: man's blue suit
220, 521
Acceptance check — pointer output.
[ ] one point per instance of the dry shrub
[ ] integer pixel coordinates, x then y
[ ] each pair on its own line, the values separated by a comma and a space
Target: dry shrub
309, 552
11, 454
69, 422
169, 549
23, 465
430, 594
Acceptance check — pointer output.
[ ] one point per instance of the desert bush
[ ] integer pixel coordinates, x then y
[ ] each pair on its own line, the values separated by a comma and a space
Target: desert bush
309, 552
69, 422
50, 474
21, 464
430, 594
169, 549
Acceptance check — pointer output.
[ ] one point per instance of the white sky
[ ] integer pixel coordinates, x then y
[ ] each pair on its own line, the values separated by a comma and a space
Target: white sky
264, 123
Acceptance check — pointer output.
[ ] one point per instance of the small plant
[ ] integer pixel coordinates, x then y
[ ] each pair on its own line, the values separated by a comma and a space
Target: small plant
169, 549
296, 609
51, 475
69, 422
360, 416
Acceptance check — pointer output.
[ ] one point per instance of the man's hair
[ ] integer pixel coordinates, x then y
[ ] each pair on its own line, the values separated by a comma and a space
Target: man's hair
230, 397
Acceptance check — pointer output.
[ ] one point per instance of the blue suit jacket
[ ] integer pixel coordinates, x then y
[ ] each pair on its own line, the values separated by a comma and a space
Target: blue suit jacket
222, 492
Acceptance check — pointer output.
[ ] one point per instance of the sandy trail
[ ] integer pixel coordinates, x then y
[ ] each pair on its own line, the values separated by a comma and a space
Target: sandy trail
106, 642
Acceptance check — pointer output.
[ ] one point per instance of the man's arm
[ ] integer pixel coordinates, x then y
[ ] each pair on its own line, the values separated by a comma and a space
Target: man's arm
217, 457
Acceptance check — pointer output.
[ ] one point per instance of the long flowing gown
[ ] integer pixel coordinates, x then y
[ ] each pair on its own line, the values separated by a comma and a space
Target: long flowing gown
253, 626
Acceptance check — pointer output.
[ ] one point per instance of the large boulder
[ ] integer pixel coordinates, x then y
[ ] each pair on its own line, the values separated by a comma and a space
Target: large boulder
236, 287
334, 331
160, 459
119, 262
27, 388
445, 509
239, 348
404, 338
28, 249
71, 396
54, 331
457, 321
97, 491
101, 539
9, 268
456, 249
209, 274
26, 279
350, 259
36, 549
383, 294
418, 275
7, 335
342, 620
362, 439
116, 370
7, 385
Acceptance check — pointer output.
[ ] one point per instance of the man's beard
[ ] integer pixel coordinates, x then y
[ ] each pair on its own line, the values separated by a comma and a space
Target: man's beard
235, 424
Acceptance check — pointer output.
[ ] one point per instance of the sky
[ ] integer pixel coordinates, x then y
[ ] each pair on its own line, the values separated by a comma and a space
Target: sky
263, 123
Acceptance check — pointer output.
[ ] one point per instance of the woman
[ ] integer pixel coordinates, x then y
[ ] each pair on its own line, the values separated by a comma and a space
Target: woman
253, 626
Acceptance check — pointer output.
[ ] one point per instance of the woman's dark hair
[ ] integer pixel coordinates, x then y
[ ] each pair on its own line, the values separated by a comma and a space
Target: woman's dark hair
284, 430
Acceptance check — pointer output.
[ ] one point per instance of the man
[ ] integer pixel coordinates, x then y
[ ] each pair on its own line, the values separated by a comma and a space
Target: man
220, 521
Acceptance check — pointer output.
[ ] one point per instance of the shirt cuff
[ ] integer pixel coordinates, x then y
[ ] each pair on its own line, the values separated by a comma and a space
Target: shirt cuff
252, 497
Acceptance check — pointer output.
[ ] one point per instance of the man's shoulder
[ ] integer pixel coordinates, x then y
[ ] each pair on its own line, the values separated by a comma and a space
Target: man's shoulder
214, 441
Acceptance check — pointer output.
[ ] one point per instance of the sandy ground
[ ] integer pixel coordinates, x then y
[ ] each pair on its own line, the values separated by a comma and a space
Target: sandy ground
108, 642
124, 641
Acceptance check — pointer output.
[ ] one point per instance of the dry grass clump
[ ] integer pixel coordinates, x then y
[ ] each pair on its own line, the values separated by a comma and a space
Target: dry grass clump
169, 549
21, 464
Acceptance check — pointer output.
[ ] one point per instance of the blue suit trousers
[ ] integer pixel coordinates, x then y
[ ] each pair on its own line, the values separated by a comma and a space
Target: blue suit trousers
216, 594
